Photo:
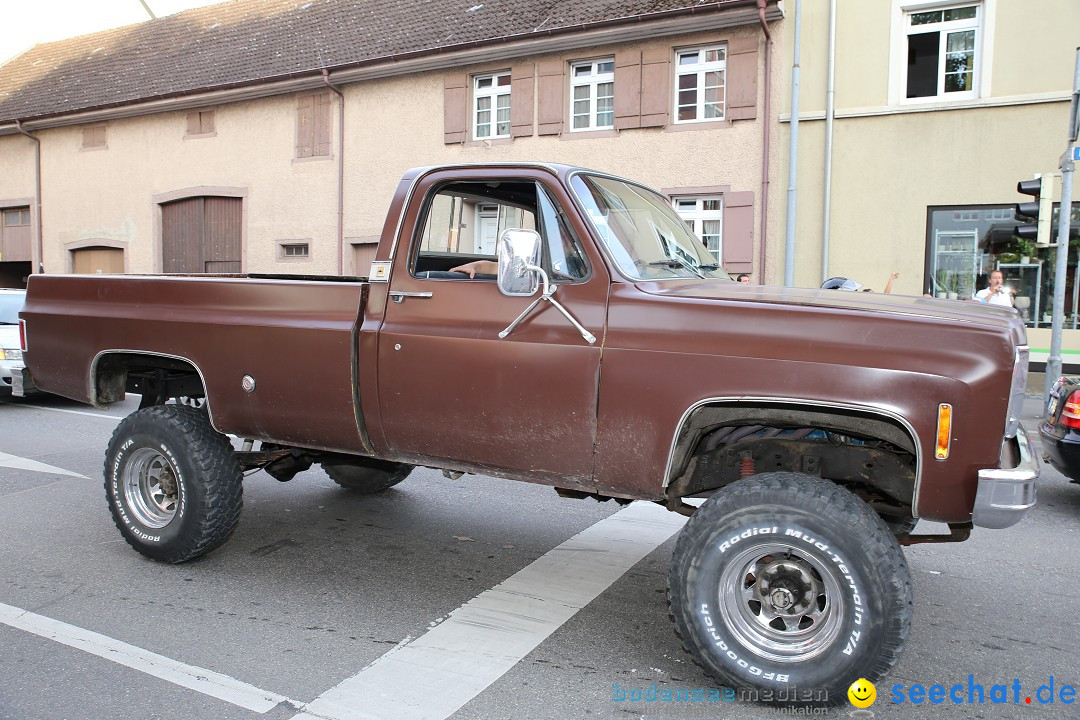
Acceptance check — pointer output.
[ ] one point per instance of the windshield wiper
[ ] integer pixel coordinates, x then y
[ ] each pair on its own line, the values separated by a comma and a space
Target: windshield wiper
674, 262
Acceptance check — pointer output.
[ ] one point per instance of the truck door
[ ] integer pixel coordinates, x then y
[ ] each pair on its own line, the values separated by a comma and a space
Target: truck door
449, 388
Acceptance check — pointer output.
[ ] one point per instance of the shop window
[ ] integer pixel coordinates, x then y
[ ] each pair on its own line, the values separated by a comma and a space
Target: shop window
965, 244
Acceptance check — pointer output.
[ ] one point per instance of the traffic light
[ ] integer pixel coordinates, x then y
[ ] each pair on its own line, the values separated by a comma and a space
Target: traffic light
1037, 217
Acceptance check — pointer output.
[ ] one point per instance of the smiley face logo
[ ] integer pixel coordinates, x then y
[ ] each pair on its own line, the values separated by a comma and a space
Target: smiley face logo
862, 693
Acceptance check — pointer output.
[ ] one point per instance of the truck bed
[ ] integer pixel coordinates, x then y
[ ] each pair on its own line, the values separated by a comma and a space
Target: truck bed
296, 336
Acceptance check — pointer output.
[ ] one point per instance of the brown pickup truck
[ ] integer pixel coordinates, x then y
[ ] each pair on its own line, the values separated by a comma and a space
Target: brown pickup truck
818, 425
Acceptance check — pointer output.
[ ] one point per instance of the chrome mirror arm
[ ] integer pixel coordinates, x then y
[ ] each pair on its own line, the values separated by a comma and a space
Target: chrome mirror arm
549, 290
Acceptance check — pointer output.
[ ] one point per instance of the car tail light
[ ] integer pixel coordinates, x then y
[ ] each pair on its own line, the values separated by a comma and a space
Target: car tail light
22, 335
1070, 411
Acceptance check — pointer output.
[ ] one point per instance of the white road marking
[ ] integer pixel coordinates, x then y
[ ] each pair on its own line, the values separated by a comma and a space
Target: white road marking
434, 676
114, 418
207, 682
17, 463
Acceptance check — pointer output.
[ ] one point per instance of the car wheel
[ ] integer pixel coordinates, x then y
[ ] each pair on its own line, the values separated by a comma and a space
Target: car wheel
172, 482
372, 477
786, 580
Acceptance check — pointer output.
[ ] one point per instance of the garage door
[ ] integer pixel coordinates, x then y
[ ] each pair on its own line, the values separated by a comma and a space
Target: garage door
202, 235
97, 261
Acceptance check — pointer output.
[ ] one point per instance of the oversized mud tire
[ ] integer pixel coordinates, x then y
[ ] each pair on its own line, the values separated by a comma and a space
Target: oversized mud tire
784, 580
173, 484
372, 477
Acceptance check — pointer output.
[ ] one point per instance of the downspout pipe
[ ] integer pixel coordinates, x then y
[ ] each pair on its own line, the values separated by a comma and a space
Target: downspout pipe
793, 154
830, 114
766, 126
39, 265
340, 174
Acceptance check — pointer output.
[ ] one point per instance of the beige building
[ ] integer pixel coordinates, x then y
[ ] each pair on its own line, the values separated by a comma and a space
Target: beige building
231, 151
940, 109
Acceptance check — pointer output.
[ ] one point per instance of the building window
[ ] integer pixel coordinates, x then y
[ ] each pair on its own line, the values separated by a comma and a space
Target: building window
294, 250
200, 122
942, 52
313, 125
700, 84
17, 217
491, 100
93, 137
592, 97
705, 217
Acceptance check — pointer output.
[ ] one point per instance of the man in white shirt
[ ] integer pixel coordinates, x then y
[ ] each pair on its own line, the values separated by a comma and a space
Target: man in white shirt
996, 293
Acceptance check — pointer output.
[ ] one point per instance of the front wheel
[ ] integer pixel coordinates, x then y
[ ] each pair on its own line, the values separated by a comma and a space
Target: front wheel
782, 581
172, 482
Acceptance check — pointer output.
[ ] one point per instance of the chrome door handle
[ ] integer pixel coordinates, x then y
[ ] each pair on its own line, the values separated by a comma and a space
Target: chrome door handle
399, 296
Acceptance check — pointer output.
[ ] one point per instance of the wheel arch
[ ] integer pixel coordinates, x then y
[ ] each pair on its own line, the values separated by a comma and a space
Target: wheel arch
111, 376
871, 421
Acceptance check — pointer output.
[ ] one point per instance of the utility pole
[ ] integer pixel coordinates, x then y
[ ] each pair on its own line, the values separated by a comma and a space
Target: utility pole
1053, 363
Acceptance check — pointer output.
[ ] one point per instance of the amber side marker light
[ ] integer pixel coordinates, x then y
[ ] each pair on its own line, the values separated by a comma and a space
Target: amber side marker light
944, 430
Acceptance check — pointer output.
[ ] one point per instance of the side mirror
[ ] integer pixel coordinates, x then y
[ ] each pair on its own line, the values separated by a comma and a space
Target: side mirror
519, 254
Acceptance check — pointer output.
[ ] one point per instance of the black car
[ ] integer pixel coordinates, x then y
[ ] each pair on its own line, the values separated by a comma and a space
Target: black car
1060, 431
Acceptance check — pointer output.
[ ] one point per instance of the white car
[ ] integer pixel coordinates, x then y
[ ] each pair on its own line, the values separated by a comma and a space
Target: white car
11, 359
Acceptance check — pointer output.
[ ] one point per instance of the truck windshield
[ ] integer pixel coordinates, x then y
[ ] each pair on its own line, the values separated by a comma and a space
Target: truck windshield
641, 232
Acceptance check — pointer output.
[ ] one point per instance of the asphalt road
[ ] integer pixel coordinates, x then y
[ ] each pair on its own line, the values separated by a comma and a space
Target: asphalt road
317, 584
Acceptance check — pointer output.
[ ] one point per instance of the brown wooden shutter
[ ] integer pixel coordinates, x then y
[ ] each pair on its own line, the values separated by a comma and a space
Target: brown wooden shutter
552, 108
741, 80
655, 87
738, 232
455, 107
521, 100
322, 124
305, 126
627, 89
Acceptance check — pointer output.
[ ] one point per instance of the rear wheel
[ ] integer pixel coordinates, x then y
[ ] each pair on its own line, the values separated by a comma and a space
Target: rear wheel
172, 482
372, 477
784, 580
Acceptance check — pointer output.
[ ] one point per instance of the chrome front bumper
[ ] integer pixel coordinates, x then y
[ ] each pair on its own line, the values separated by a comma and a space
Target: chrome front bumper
1005, 495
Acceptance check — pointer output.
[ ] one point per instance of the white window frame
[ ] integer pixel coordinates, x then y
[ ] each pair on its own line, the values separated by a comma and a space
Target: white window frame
592, 81
699, 69
494, 91
984, 51
695, 218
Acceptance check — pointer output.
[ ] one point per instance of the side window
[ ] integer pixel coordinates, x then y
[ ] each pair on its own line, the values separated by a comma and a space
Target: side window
592, 102
942, 52
705, 218
491, 106
463, 221
700, 84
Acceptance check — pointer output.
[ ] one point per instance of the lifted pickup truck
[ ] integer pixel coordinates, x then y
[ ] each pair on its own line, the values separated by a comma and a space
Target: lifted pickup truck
818, 424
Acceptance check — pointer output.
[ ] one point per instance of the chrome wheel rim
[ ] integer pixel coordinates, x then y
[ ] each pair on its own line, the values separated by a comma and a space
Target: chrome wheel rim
151, 488
780, 602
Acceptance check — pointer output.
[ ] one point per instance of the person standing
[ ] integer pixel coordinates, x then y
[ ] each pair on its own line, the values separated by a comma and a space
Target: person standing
996, 293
